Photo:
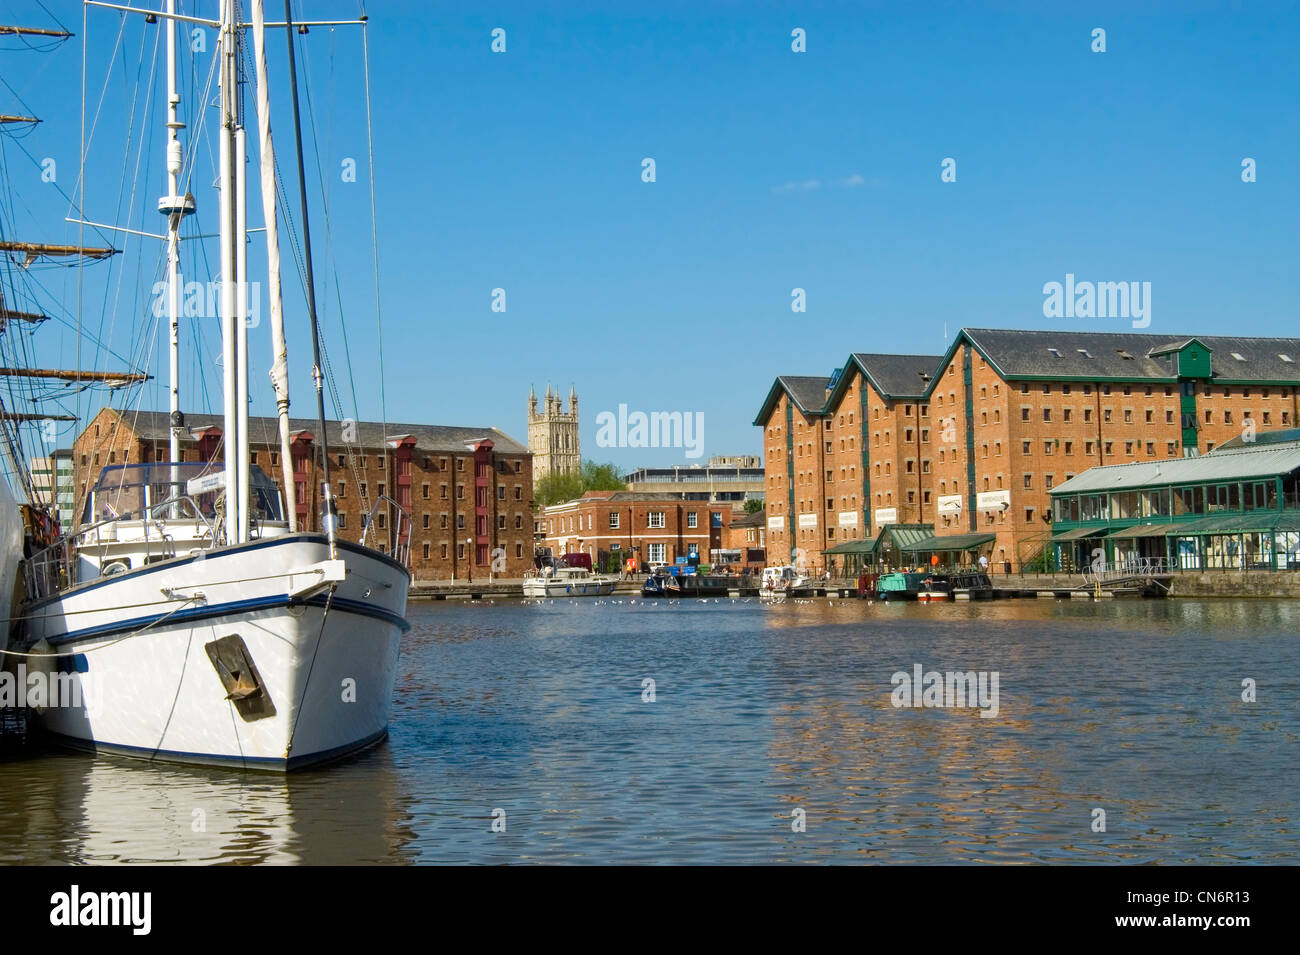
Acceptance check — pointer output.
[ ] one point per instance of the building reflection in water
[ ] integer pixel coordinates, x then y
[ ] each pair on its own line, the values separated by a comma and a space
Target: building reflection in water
911, 784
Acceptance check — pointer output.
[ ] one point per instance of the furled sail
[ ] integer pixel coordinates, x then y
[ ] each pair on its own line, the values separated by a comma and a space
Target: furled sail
280, 358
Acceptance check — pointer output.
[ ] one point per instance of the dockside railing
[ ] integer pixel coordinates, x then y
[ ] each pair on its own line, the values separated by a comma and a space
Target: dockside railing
1128, 568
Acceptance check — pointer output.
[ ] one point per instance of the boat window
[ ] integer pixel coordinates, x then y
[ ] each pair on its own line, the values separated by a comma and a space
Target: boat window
124, 491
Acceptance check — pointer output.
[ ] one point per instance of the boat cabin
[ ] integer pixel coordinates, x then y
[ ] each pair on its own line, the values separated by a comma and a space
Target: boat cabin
138, 514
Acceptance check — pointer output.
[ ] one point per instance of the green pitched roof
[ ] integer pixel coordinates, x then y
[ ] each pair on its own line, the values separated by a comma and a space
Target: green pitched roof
948, 543
852, 547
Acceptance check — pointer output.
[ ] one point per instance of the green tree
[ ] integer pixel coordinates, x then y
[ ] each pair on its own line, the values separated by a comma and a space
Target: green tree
601, 477
753, 505
554, 488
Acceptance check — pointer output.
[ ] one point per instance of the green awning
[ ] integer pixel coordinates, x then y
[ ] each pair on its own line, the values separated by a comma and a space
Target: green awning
1288, 521
1239, 523
1078, 533
900, 536
1142, 530
852, 547
948, 544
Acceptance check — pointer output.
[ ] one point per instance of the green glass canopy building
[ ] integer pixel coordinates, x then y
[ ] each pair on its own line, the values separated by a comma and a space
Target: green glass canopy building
1235, 508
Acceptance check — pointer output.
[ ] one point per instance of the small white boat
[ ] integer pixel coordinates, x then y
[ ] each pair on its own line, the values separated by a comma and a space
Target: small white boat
564, 581
781, 581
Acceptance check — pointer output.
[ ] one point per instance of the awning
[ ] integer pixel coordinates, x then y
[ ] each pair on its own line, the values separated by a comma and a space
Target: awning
852, 547
1289, 521
948, 544
1239, 523
1142, 530
1079, 533
901, 536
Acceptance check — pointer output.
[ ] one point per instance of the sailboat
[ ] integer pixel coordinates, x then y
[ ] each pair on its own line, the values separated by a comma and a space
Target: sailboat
196, 620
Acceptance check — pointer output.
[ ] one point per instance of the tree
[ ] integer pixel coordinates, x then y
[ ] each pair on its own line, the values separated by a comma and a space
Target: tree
601, 477
557, 487
753, 505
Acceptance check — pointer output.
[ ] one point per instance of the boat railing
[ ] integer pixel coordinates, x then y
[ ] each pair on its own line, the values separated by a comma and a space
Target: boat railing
403, 526
51, 569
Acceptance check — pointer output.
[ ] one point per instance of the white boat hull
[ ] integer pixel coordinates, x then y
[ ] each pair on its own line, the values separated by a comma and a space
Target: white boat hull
542, 587
136, 645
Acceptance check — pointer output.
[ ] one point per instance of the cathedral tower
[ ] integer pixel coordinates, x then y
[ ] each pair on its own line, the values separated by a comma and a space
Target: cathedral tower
553, 434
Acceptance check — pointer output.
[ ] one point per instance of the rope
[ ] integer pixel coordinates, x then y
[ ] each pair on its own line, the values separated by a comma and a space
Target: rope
374, 228
327, 366
112, 643
320, 636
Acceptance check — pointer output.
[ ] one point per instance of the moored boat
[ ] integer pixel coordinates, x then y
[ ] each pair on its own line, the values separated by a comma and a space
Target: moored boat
971, 585
685, 585
784, 581
559, 580
900, 585
930, 587
933, 590
274, 653
188, 615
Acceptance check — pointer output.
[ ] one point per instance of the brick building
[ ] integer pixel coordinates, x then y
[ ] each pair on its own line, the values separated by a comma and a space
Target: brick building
744, 540
615, 525
846, 454
972, 445
469, 491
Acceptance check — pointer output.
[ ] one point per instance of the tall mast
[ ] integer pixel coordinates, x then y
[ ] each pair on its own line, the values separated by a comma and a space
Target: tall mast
241, 325
229, 359
175, 207
327, 492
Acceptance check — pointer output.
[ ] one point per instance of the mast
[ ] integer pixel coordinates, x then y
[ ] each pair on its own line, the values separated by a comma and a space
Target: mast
226, 186
280, 351
327, 491
241, 325
175, 207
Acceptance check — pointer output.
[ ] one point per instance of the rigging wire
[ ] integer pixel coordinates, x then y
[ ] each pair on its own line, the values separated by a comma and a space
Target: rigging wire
142, 347
327, 365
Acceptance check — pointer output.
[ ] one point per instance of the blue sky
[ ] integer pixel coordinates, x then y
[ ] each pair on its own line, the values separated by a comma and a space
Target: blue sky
775, 170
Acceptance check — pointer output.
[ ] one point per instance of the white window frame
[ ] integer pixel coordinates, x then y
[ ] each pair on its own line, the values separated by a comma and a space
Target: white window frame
656, 519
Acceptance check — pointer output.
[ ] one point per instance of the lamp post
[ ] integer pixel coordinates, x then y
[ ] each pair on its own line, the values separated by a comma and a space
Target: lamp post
469, 557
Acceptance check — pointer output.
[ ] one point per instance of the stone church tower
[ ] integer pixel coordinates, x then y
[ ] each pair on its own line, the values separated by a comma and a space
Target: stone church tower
553, 434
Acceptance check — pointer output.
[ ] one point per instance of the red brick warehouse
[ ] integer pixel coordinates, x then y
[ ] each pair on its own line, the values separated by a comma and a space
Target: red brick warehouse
469, 491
